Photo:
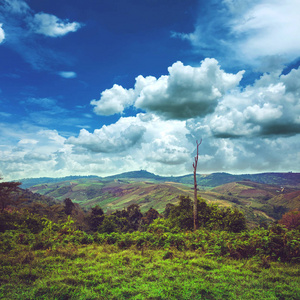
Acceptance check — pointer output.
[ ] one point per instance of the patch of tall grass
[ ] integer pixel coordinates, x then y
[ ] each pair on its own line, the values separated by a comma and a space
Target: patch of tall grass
108, 272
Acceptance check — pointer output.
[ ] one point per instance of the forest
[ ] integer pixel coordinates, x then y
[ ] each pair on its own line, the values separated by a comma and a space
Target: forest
58, 250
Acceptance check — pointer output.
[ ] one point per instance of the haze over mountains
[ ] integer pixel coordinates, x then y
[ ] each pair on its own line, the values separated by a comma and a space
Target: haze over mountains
212, 180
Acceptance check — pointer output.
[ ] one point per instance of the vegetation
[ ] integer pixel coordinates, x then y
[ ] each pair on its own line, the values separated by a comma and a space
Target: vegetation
261, 204
54, 250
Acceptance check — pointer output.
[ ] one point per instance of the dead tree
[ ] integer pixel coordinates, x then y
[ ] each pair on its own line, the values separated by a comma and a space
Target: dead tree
195, 187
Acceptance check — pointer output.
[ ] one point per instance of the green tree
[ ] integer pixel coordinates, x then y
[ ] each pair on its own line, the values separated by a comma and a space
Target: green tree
181, 215
113, 223
150, 216
95, 218
69, 206
7, 190
209, 216
134, 216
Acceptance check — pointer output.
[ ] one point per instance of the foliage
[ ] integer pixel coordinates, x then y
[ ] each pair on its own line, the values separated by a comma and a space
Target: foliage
108, 271
291, 220
95, 218
69, 206
209, 216
150, 216
6, 192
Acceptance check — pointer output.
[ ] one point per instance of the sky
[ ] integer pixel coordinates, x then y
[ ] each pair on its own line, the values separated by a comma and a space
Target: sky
101, 87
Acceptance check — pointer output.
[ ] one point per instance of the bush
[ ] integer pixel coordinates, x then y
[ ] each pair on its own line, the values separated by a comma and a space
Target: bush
291, 220
209, 216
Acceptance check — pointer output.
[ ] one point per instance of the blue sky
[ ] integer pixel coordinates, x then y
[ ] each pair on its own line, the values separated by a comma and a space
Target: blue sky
104, 87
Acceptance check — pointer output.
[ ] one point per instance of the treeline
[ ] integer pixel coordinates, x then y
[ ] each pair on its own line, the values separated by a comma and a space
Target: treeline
178, 217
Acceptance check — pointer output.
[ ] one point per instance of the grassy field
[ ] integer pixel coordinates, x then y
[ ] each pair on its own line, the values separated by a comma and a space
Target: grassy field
108, 272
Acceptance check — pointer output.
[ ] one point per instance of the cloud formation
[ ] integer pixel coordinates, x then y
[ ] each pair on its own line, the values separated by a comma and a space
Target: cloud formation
245, 127
16, 6
269, 107
113, 101
261, 33
52, 26
109, 139
67, 74
187, 92
23, 28
269, 28
2, 34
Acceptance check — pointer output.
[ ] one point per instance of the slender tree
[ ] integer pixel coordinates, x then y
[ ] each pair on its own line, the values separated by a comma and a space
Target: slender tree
195, 163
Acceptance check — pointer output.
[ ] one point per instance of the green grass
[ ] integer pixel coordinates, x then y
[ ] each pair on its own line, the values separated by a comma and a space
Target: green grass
107, 272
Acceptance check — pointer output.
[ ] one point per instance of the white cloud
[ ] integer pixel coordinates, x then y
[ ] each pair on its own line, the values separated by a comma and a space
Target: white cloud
168, 151
263, 33
141, 142
27, 141
265, 114
250, 129
110, 139
187, 92
270, 107
2, 34
113, 101
23, 30
270, 28
52, 26
67, 74
16, 6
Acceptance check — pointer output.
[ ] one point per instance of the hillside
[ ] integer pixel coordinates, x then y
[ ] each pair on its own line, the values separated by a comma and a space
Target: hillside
115, 194
264, 200
260, 202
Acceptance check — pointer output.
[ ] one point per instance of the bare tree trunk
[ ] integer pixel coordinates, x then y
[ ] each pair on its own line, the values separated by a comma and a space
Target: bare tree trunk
195, 187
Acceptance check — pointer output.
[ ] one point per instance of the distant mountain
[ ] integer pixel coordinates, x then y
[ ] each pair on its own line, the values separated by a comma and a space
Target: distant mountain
142, 174
211, 180
216, 179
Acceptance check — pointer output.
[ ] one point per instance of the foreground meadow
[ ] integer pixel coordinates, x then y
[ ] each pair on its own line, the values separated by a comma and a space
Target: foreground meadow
108, 272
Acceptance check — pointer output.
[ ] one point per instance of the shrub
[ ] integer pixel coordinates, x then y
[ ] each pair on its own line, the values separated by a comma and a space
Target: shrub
291, 220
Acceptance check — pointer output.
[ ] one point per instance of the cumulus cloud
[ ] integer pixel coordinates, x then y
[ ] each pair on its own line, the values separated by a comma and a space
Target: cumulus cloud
110, 139
168, 151
52, 26
113, 101
269, 107
67, 74
145, 141
2, 34
187, 92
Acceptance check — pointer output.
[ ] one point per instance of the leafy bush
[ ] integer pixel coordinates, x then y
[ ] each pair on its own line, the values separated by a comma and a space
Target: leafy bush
209, 216
291, 220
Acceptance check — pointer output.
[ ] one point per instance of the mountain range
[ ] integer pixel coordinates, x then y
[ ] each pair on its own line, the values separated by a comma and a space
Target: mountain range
210, 180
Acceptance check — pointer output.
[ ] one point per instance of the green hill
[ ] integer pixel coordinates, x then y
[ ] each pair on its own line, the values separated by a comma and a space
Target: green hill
260, 202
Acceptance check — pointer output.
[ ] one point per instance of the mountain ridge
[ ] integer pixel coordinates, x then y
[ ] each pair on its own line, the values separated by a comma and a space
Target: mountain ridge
211, 180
